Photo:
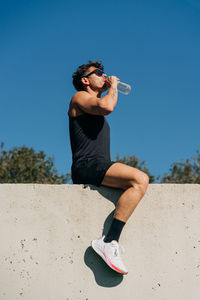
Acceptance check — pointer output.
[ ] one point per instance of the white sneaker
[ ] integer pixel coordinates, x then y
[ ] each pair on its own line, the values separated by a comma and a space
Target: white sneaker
110, 254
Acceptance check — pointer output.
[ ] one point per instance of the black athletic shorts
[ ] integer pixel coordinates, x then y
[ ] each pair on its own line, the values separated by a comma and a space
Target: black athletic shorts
90, 171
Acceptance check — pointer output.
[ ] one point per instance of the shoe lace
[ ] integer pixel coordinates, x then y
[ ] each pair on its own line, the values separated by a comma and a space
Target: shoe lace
117, 248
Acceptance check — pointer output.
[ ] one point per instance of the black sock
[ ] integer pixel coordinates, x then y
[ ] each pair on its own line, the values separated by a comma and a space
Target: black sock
114, 231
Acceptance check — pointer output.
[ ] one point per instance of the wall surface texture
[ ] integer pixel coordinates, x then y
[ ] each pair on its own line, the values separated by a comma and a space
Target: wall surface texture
45, 235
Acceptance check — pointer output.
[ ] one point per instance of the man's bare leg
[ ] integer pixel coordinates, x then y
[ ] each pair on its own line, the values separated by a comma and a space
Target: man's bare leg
133, 181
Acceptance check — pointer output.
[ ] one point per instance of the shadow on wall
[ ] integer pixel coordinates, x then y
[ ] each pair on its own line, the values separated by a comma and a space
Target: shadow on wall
104, 276
112, 195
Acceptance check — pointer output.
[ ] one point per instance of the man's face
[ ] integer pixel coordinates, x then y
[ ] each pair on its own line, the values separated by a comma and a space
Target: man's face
96, 81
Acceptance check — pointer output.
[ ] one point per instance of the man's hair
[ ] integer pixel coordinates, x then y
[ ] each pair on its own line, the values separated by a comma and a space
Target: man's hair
81, 71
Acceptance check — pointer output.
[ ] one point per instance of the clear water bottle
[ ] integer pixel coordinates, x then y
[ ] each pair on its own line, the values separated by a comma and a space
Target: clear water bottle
123, 88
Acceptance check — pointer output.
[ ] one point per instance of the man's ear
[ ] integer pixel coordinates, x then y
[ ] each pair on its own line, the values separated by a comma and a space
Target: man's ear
85, 81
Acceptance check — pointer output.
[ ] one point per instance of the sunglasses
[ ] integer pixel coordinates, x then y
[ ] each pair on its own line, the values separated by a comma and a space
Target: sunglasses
98, 72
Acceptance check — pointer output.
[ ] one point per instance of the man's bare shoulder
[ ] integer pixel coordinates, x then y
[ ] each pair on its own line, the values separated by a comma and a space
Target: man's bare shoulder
78, 103
84, 102
79, 96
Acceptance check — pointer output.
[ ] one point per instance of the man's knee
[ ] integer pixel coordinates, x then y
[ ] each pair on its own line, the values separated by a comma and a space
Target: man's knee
141, 183
145, 179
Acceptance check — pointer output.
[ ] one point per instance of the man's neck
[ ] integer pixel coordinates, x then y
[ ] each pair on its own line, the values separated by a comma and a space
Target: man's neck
93, 93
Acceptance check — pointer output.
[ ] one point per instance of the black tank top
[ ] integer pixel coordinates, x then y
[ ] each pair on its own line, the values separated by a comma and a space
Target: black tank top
89, 137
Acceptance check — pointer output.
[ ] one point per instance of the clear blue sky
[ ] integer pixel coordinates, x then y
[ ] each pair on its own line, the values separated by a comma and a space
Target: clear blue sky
152, 45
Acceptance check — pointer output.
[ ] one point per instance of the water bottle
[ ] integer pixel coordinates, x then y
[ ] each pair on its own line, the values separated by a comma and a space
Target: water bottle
123, 88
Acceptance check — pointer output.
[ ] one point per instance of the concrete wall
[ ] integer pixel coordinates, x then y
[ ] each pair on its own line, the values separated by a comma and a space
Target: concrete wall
45, 235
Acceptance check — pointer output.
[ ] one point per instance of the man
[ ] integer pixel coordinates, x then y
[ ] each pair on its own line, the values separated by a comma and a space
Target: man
90, 144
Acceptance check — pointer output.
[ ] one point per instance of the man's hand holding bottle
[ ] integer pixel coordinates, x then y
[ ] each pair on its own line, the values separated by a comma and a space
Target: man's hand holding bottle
122, 87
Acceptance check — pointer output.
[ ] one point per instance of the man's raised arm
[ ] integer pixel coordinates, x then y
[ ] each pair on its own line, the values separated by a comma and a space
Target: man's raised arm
98, 106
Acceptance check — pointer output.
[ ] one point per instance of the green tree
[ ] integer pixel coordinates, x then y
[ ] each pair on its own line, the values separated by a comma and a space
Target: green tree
184, 172
133, 161
24, 165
